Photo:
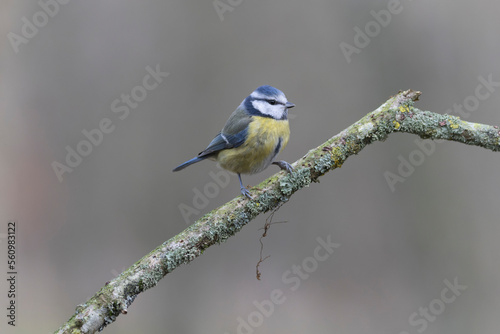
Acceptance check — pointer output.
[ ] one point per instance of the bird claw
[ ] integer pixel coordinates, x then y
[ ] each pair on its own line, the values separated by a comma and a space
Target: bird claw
284, 165
246, 193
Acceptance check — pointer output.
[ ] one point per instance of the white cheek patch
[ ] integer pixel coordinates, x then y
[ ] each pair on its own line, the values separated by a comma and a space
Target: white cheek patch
259, 105
275, 111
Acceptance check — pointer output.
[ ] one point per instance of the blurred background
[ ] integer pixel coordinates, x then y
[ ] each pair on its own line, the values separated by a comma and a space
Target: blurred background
68, 68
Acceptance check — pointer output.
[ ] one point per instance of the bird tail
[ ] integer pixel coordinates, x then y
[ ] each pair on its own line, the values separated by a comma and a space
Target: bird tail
188, 163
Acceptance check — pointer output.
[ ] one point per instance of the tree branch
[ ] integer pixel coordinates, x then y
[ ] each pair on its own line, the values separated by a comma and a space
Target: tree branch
395, 115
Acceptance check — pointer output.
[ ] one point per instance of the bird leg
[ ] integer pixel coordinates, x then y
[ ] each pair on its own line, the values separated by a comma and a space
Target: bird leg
244, 191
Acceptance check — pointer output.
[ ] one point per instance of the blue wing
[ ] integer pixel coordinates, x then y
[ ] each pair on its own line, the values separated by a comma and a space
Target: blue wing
232, 135
220, 142
224, 141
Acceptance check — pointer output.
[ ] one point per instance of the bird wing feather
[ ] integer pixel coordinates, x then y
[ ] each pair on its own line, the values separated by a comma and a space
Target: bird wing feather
233, 134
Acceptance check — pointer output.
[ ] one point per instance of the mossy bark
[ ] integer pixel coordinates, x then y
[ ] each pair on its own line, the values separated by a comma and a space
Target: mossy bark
396, 115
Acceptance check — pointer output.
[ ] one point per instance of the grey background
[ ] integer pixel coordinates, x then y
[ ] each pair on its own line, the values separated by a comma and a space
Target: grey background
397, 248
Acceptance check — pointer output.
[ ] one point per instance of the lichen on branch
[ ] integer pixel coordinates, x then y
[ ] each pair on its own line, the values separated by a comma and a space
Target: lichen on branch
397, 114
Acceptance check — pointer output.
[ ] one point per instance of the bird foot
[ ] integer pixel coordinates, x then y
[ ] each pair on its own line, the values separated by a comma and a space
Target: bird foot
246, 193
284, 165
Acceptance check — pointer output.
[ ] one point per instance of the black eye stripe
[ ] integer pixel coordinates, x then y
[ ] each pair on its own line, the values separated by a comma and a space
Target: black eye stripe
271, 101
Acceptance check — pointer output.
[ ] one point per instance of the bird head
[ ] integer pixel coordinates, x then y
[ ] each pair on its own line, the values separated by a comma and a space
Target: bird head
267, 101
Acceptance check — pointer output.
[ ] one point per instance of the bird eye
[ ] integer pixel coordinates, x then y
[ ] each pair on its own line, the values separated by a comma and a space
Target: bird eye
272, 102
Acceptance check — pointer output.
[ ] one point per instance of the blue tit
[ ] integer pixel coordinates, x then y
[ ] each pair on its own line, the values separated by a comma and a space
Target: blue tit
253, 136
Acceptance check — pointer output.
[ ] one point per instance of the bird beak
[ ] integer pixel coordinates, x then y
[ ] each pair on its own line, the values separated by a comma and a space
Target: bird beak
289, 105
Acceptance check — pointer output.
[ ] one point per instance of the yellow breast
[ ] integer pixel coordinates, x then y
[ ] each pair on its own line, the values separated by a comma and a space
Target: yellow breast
266, 138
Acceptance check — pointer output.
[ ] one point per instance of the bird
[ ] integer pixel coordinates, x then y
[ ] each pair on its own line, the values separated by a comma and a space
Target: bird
255, 133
